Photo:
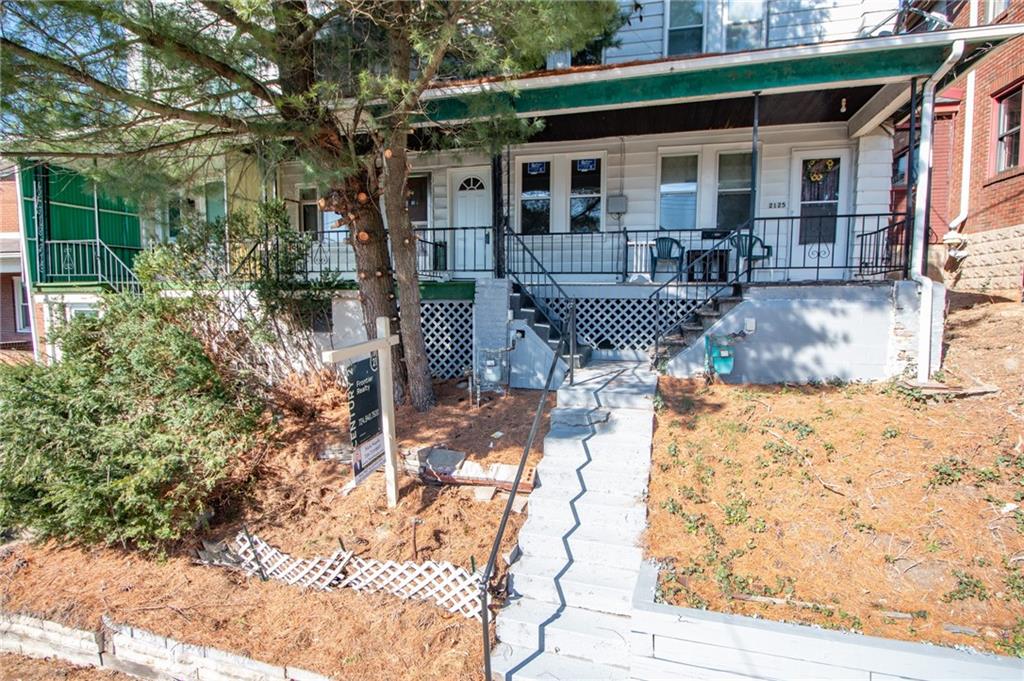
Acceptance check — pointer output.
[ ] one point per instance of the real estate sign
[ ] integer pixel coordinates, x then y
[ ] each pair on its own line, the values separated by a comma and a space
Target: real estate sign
364, 416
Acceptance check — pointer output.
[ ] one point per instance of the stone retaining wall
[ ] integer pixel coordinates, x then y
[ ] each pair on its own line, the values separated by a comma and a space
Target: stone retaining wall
683, 643
994, 262
136, 652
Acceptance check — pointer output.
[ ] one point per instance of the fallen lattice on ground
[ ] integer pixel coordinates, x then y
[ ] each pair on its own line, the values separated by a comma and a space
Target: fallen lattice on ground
448, 586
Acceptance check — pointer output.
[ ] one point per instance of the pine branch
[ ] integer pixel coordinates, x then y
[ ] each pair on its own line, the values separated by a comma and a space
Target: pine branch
117, 94
143, 151
224, 11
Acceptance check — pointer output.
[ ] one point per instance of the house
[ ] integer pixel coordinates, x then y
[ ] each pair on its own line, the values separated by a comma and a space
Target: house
977, 239
15, 309
725, 169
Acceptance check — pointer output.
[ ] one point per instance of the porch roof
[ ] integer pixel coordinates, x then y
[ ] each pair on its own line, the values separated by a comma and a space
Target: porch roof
864, 61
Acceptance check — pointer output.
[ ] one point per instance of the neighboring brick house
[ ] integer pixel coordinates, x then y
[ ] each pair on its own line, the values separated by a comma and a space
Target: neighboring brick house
15, 311
981, 239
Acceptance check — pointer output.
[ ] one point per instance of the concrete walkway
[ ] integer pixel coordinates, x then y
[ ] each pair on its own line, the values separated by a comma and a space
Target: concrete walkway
571, 590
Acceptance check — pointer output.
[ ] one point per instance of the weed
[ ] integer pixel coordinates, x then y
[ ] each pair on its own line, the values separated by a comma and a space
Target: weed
736, 512
658, 402
891, 433
690, 494
758, 526
672, 506
982, 476
982, 561
949, 471
692, 522
829, 447
912, 395
1013, 642
705, 473
866, 528
801, 428
837, 382
779, 450
967, 587
1018, 517
1015, 585
933, 546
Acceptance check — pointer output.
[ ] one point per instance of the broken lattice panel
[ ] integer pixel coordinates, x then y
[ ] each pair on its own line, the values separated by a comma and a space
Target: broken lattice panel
449, 586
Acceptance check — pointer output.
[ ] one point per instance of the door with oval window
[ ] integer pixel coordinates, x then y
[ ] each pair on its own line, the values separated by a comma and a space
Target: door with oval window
471, 219
820, 233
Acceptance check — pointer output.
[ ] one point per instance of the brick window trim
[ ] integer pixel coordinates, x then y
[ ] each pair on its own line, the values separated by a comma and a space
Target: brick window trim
996, 98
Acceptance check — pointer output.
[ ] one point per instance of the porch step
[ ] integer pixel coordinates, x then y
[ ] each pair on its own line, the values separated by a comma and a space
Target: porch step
562, 630
588, 507
598, 476
530, 664
583, 543
584, 585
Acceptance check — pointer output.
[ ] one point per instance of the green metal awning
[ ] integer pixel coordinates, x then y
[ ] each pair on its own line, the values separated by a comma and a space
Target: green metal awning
791, 69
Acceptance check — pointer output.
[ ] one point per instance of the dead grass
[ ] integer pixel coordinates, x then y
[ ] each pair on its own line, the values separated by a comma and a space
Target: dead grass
294, 503
859, 501
19, 668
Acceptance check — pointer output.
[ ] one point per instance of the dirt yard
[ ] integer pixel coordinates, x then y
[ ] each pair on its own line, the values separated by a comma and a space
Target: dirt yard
862, 507
294, 504
18, 668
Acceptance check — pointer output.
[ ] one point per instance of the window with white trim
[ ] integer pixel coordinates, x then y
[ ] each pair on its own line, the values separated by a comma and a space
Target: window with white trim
535, 197
418, 201
1008, 130
744, 25
733, 190
685, 27
994, 8
677, 192
561, 193
22, 318
586, 195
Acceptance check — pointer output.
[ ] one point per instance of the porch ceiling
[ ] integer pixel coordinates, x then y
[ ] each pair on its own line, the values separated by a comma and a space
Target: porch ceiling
718, 114
869, 61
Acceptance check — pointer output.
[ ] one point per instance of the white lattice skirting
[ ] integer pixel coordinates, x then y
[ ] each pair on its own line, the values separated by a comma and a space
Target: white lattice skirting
448, 333
622, 323
448, 586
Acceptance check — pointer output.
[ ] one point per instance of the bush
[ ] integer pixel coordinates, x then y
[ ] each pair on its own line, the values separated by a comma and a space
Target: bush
127, 438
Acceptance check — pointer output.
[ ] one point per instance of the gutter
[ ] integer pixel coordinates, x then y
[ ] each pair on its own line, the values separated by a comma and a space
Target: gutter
965, 161
924, 165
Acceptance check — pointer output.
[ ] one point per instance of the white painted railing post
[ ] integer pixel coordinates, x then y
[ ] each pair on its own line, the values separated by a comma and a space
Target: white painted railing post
387, 411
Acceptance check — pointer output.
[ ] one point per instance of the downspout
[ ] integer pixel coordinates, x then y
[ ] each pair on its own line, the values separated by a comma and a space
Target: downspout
965, 161
920, 236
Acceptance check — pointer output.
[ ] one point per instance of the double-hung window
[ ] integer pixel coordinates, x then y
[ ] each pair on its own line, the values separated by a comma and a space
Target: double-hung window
215, 201
733, 190
535, 197
677, 192
309, 210
21, 305
994, 8
744, 25
561, 193
585, 195
685, 27
1008, 130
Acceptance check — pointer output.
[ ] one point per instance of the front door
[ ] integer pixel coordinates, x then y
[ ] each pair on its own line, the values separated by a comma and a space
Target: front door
471, 219
820, 234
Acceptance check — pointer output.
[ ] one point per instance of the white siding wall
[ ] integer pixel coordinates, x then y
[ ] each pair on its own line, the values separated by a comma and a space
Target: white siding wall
631, 166
791, 22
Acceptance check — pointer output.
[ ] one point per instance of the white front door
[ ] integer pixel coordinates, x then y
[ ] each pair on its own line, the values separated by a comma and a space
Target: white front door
820, 233
471, 219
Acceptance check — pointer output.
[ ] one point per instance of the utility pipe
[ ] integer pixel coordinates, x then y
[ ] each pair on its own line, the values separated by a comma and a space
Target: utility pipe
920, 236
965, 161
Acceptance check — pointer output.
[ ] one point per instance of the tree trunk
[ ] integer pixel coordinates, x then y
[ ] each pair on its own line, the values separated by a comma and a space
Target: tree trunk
403, 252
373, 268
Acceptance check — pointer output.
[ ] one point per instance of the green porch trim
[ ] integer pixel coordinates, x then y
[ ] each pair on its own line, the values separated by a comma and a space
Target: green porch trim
804, 73
447, 290
71, 287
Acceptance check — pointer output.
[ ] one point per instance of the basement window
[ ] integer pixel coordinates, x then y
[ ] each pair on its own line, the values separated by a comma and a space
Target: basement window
1008, 130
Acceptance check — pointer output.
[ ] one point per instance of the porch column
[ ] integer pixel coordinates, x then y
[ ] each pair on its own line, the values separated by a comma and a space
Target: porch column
911, 178
754, 138
497, 218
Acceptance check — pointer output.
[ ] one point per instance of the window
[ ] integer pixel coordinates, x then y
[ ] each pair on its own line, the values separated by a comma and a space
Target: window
733, 190
81, 310
1008, 131
685, 27
22, 321
744, 25
819, 200
585, 195
677, 192
418, 200
216, 204
535, 198
309, 210
174, 218
899, 169
590, 55
994, 8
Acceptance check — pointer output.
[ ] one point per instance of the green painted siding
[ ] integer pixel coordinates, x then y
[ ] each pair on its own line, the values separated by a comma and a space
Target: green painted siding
74, 215
830, 70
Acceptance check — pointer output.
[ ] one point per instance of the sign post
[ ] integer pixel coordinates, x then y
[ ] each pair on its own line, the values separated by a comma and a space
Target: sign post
372, 405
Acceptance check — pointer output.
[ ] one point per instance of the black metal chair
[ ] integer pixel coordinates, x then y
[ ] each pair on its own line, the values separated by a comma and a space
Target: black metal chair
666, 248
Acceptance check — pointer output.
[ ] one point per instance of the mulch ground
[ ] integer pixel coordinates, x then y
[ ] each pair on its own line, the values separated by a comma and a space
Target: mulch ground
19, 668
862, 507
295, 504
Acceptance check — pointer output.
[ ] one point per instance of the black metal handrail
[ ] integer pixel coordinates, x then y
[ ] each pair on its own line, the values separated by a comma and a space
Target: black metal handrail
492, 558
711, 289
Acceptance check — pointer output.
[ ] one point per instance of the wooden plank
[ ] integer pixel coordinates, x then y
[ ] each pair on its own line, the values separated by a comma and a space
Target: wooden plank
387, 411
381, 344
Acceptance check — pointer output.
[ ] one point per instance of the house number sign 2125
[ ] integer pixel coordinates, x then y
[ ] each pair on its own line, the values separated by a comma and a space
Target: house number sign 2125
776, 204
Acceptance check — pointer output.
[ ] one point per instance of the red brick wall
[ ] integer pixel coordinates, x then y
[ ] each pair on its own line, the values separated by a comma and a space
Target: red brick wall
996, 200
8, 204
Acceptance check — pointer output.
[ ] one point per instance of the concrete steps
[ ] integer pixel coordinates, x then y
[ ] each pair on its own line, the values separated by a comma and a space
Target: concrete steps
572, 588
585, 634
532, 664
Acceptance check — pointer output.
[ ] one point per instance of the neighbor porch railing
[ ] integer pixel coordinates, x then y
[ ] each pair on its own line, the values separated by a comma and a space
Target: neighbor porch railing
89, 261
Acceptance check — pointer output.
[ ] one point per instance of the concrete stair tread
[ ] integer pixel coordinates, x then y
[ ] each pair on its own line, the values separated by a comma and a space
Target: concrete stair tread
527, 664
615, 547
582, 497
600, 576
566, 630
